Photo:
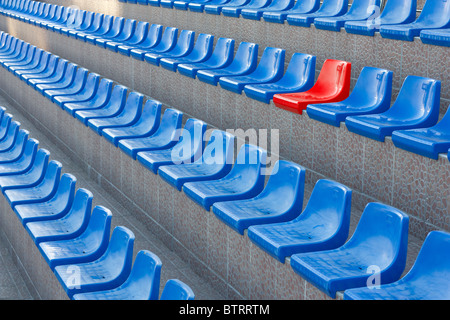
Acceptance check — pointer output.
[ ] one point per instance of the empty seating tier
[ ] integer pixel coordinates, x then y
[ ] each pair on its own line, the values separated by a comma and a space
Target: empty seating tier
230, 207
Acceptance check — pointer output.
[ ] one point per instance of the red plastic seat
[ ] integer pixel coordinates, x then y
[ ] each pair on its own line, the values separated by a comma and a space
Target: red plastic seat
332, 85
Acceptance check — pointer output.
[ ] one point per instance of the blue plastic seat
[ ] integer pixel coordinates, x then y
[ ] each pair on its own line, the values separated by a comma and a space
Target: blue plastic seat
41, 192
329, 8
10, 136
184, 4
45, 69
96, 26
417, 106
435, 15
428, 278
38, 56
380, 239
105, 27
101, 97
274, 6
92, 21
188, 149
216, 8
114, 106
16, 57
215, 162
167, 41
142, 283
360, 10
235, 11
57, 76
165, 137
24, 163
394, 13
198, 6
280, 201
145, 126
428, 142
24, 62
136, 37
127, 116
439, 37
76, 85
107, 272
74, 21
270, 69
5, 124
201, 51
166, 3
111, 32
299, 76
69, 226
244, 62
54, 208
152, 38
323, 224
64, 82
244, 181
129, 26
371, 94
13, 152
88, 246
221, 57
174, 289
30, 178
86, 93
183, 46
85, 24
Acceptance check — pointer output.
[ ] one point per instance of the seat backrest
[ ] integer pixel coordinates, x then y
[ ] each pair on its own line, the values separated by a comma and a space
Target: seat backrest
329, 207
190, 143
246, 57
174, 289
271, 63
307, 6
432, 260
203, 46
119, 254
81, 208
185, 41
363, 7
223, 51
418, 97
168, 39
249, 166
285, 186
435, 12
301, 70
374, 86
52, 177
333, 7
98, 229
220, 149
382, 232
62, 200
144, 279
170, 124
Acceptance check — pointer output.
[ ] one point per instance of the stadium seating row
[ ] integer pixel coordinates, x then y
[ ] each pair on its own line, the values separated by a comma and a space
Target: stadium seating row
71, 234
314, 239
397, 20
327, 100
